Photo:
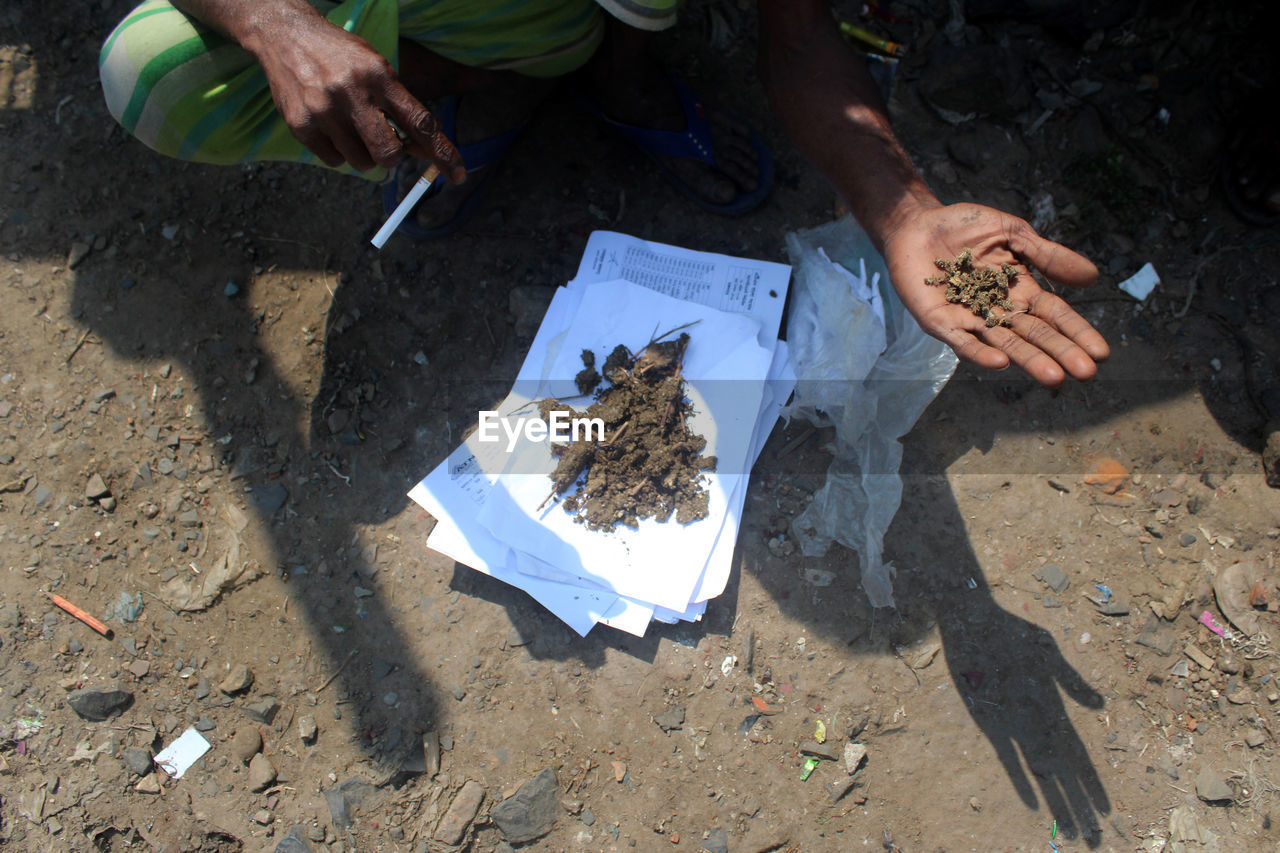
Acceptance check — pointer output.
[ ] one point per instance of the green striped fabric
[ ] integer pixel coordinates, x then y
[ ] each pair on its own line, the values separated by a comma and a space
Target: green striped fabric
190, 93
643, 14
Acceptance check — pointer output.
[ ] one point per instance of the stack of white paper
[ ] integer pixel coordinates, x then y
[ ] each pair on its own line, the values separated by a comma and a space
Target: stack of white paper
490, 496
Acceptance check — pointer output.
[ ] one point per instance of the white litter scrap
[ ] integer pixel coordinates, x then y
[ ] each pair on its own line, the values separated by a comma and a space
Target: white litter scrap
1140, 284
176, 758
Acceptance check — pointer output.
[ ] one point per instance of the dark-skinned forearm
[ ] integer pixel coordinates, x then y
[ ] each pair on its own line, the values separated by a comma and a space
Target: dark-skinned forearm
253, 24
828, 104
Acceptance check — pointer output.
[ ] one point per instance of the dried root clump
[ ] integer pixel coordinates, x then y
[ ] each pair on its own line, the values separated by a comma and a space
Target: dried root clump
979, 290
650, 464
588, 377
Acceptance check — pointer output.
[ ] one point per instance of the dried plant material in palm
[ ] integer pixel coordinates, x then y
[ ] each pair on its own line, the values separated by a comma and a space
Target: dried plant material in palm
979, 290
650, 464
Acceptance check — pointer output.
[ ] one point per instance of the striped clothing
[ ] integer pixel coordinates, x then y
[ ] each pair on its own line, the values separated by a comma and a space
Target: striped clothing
195, 95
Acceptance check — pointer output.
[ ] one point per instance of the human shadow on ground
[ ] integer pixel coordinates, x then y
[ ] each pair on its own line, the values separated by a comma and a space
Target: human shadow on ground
309, 516
1009, 672
177, 284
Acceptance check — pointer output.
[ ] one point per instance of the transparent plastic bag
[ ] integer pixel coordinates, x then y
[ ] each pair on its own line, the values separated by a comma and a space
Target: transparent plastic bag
866, 367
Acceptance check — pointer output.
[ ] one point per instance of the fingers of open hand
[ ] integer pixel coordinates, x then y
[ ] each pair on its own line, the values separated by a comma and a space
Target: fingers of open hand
959, 329
1061, 316
1041, 350
1057, 262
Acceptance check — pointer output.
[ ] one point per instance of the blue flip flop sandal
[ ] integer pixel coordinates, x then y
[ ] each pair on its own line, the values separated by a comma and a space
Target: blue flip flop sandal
694, 142
484, 154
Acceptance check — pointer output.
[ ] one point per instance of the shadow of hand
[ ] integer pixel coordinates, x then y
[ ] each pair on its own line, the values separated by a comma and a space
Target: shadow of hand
1011, 675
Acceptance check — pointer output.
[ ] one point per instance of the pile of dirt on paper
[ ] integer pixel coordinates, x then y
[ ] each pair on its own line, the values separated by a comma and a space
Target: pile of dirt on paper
979, 290
649, 464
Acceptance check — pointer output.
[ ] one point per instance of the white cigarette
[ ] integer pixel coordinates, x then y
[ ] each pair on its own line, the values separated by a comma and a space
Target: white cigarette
402, 210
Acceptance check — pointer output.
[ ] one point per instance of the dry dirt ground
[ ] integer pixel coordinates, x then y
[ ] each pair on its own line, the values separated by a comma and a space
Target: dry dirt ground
223, 349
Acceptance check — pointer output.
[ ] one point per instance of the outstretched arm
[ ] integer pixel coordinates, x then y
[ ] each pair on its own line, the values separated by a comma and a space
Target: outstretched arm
332, 88
828, 104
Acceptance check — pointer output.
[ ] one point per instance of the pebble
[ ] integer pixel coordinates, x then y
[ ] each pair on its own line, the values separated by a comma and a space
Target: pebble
344, 799
672, 718
531, 813
264, 711
1156, 636
245, 743
780, 546
307, 728
267, 499
262, 817
717, 841
148, 785
1053, 577
821, 750
853, 755
1187, 540
79, 251
137, 759
1254, 738
337, 420
261, 773
202, 688
391, 698
1212, 788
837, 788
99, 705
1114, 607
205, 724
431, 753
96, 488
238, 679
460, 814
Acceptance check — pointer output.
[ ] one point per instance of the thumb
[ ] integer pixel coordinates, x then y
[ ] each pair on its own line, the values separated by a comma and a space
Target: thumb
1076, 687
1058, 263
